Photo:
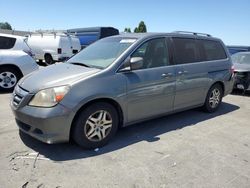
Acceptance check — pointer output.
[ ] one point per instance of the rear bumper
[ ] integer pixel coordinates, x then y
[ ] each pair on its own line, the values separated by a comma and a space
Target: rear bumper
228, 85
28, 65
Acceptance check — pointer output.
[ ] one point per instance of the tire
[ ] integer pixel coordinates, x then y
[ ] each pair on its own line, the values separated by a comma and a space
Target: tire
9, 77
48, 59
92, 128
213, 99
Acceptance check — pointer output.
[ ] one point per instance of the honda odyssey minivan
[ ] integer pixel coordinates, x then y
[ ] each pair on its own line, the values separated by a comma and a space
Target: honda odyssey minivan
122, 80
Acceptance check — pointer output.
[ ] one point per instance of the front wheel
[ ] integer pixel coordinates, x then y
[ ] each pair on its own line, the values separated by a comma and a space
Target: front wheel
95, 125
213, 99
8, 78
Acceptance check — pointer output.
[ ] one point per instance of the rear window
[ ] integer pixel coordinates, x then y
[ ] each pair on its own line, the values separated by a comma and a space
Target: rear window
7, 42
213, 50
185, 50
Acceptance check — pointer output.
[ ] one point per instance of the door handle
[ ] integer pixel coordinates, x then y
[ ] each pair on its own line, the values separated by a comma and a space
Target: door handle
167, 75
182, 72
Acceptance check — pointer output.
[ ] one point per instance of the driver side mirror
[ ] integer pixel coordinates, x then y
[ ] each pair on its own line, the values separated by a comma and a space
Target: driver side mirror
133, 63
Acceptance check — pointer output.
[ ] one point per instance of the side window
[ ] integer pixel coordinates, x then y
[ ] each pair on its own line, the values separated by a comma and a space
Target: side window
185, 50
154, 53
7, 42
213, 50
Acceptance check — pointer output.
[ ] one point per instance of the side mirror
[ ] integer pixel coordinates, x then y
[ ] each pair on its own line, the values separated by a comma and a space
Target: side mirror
132, 64
136, 63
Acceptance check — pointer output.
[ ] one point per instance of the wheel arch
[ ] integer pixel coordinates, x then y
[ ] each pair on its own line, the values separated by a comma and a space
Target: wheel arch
221, 84
12, 66
114, 103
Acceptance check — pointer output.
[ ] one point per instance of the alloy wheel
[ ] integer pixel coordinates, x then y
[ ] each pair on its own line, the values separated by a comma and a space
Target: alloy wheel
7, 80
214, 98
98, 126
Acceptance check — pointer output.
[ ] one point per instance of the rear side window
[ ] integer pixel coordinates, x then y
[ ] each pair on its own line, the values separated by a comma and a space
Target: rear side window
213, 50
7, 42
185, 51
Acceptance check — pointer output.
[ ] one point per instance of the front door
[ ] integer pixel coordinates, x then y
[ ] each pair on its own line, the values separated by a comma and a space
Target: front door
151, 89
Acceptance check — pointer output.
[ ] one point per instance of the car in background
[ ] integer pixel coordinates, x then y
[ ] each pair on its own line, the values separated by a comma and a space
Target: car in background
122, 80
235, 49
14, 42
241, 62
92, 34
53, 46
15, 61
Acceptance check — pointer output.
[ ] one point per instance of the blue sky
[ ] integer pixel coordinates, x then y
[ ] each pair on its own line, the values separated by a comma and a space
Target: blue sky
226, 19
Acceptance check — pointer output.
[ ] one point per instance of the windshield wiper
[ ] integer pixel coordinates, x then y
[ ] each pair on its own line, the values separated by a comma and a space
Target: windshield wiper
81, 64
85, 65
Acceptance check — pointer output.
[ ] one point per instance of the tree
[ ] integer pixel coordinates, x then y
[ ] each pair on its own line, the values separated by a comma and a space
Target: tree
5, 25
127, 30
142, 28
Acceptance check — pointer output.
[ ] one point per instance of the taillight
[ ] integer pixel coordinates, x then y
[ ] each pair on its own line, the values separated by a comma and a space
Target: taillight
232, 69
29, 53
59, 50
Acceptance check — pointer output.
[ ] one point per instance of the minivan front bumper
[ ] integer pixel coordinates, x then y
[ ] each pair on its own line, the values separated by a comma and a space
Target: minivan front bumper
49, 125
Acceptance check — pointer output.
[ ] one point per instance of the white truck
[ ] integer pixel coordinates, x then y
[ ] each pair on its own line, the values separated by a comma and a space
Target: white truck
53, 47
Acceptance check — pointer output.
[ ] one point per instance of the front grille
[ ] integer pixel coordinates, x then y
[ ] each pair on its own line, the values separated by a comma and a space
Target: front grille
18, 95
17, 99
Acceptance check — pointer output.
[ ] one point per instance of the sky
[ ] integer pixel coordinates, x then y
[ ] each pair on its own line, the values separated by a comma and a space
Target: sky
225, 19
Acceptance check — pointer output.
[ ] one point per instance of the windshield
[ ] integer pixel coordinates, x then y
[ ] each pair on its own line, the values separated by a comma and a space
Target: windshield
102, 53
241, 58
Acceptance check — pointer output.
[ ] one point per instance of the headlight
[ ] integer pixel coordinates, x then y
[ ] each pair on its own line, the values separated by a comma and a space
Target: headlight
49, 97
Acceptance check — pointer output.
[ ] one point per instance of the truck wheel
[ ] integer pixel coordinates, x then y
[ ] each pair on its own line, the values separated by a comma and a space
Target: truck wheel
48, 59
213, 99
95, 125
9, 77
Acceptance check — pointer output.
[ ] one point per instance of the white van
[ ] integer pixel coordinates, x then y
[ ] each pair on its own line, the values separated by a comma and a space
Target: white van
53, 47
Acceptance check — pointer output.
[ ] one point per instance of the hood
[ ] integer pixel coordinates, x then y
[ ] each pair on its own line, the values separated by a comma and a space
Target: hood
55, 75
241, 67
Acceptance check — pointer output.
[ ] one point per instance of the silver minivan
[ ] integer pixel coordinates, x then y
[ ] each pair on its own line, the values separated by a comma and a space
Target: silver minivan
122, 80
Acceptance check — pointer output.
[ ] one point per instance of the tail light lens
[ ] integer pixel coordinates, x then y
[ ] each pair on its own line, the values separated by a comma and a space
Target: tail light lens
232, 69
29, 53
59, 50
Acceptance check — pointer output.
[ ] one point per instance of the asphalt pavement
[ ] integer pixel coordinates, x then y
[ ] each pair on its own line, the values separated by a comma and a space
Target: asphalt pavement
188, 149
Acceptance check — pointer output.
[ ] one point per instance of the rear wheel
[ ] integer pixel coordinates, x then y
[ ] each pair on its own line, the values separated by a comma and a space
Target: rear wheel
48, 59
9, 77
95, 125
213, 99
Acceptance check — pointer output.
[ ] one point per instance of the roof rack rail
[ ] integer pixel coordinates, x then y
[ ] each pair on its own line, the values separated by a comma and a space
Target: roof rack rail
193, 33
51, 32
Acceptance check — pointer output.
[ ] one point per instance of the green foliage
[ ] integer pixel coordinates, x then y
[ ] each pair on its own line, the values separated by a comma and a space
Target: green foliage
5, 25
127, 30
142, 28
